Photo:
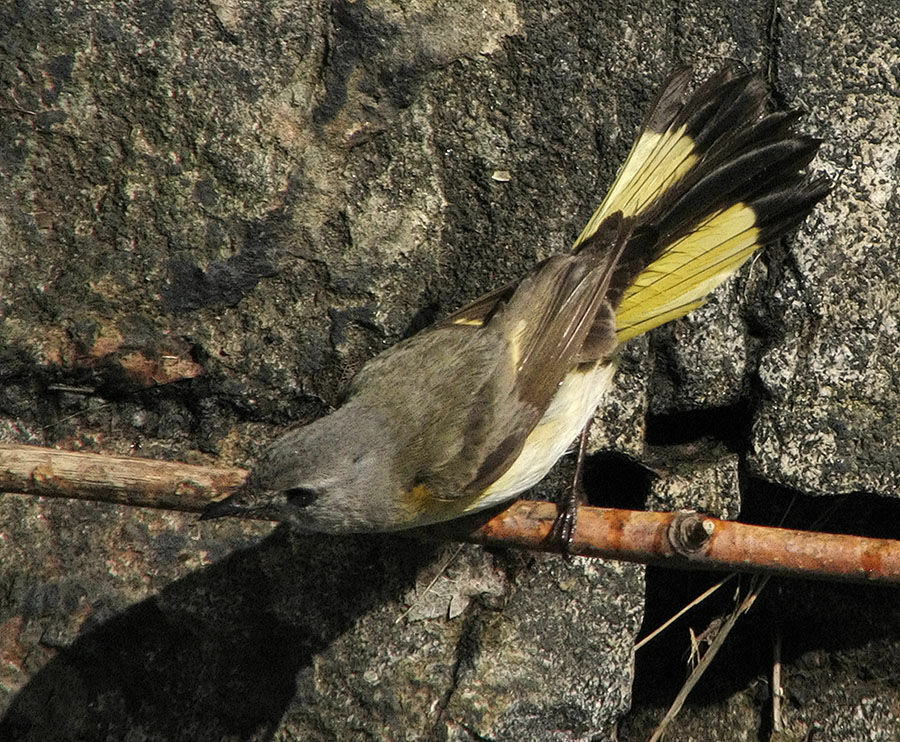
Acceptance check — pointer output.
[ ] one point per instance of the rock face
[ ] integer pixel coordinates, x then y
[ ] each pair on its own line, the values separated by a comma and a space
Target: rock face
212, 215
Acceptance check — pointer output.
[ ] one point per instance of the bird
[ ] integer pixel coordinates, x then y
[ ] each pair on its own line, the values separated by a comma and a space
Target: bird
474, 410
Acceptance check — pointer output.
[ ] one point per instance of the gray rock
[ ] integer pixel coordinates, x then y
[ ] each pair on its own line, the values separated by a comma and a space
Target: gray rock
829, 421
211, 216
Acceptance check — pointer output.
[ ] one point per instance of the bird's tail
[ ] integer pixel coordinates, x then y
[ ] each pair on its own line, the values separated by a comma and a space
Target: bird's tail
712, 177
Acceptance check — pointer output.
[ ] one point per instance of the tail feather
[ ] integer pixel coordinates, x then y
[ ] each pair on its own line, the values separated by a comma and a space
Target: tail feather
742, 178
710, 179
722, 107
786, 208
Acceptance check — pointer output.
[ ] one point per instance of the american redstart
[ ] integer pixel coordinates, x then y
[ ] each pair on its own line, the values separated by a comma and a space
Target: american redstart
477, 408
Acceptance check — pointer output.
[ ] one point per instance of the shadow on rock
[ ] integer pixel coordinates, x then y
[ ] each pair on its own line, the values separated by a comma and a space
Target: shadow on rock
216, 654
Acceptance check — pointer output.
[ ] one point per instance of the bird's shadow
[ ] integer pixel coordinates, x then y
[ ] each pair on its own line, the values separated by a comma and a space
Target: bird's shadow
216, 654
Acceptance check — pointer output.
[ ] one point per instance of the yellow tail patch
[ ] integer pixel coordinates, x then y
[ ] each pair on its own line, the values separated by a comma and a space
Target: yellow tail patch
656, 162
688, 270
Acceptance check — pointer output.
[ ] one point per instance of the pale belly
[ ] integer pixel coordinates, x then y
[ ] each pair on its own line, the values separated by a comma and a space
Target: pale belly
572, 406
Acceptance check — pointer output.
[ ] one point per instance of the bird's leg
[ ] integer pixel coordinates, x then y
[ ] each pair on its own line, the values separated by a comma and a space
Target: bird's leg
563, 531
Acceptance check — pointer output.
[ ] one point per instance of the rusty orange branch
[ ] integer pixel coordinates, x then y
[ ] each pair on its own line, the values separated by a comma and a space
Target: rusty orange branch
679, 540
692, 540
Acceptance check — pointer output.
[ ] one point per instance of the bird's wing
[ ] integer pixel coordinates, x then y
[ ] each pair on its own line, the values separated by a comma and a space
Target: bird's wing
547, 325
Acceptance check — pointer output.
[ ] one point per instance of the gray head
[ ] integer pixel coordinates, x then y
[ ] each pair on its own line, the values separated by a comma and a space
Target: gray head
335, 475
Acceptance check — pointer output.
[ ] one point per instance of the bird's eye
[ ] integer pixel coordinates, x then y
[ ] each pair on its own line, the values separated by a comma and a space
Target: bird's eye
301, 496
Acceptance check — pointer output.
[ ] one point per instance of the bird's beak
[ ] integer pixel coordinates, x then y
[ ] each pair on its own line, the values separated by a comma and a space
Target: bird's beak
221, 508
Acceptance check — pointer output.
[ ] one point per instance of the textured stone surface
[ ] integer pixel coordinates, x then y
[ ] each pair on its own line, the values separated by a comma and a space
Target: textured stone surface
837, 645
210, 216
831, 418
697, 477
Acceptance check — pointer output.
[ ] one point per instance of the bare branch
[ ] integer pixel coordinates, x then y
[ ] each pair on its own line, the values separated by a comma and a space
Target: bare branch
680, 540
170, 485
656, 538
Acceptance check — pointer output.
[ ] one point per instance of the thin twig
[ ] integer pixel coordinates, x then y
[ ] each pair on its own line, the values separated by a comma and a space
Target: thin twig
680, 540
676, 540
170, 485
696, 601
714, 646
777, 689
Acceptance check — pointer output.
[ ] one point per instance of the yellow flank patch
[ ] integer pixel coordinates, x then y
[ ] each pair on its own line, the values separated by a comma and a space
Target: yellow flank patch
655, 163
422, 507
688, 270
417, 498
